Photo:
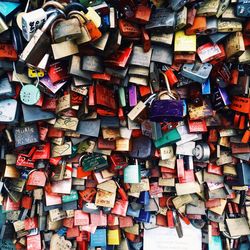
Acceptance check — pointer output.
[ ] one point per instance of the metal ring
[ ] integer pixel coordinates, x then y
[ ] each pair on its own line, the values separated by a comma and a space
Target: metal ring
54, 4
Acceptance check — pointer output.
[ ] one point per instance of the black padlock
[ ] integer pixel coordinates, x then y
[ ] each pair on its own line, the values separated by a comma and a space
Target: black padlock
141, 148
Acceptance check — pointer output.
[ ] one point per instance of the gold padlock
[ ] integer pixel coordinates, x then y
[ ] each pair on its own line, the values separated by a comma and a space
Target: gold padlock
184, 43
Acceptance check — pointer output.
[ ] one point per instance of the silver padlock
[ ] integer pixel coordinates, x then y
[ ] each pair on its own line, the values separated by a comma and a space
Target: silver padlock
197, 72
201, 151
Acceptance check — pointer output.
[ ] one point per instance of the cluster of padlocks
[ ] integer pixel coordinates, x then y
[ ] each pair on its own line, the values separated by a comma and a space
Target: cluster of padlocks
121, 119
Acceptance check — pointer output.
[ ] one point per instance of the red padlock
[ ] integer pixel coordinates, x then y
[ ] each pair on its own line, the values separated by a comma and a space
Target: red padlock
172, 79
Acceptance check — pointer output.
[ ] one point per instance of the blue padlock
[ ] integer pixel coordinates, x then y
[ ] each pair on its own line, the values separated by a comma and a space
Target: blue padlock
143, 216
98, 239
133, 213
144, 198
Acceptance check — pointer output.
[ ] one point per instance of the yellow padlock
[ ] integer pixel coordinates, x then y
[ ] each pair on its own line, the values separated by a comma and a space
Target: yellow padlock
114, 237
34, 73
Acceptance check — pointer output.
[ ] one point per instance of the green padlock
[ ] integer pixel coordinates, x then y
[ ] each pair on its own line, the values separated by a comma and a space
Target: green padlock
73, 196
96, 162
168, 138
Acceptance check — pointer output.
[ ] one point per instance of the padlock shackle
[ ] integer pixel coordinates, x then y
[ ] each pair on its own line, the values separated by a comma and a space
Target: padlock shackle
52, 27
76, 13
75, 7
51, 19
54, 4
150, 99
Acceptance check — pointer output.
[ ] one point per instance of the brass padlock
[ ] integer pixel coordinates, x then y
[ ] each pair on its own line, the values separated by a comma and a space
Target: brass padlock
66, 30
93, 30
63, 48
85, 36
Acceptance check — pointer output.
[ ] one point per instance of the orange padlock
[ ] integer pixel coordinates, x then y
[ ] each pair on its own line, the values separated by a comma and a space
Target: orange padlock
199, 25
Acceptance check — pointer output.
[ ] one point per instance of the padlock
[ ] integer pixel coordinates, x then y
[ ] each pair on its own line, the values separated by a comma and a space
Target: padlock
8, 110
212, 26
162, 55
181, 39
229, 26
105, 97
234, 45
162, 19
154, 77
7, 52
210, 8
141, 14
138, 109
181, 18
32, 73
201, 151
85, 36
132, 96
30, 94
34, 20
191, 16
184, 58
220, 98
162, 38
57, 72
146, 40
38, 46
215, 38
95, 66
208, 52
69, 46
197, 72
199, 25
128, 29
132, 173
222, 7
119, 60
161, 108
66, 29
141, 148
